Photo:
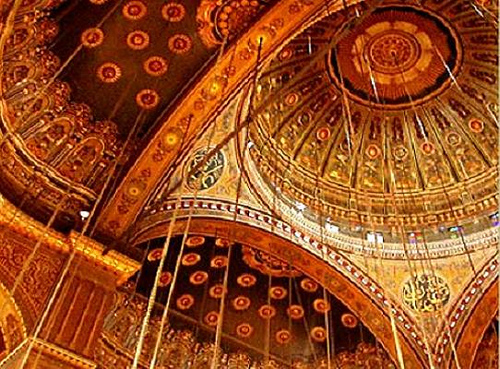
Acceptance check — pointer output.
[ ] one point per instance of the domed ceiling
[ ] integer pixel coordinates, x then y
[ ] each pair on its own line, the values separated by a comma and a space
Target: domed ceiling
393, 116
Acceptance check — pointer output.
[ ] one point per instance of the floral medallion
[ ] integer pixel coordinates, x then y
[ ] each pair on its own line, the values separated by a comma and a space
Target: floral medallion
278, 292
191, 259
109, 72
134, 10
283, 336
211, 319
138, 40
155, 66
198, 277
92, 37
155, 255
295, 312
180, 44
173, 12
318, 334
147, 99
321, 306
219, 261
217, 291
244, 330
241, 303
185, 302
267, 311
195, 241
308, 285
165, 279
246, 280
223, 242
349, 320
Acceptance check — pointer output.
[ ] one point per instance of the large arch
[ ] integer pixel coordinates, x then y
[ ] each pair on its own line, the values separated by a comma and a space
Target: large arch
204, 101
369, 312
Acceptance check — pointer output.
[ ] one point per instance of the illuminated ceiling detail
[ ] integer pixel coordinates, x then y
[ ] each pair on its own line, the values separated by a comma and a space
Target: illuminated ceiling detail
396, 122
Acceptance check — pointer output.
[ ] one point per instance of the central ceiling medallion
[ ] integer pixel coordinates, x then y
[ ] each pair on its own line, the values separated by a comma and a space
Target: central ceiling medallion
396, 57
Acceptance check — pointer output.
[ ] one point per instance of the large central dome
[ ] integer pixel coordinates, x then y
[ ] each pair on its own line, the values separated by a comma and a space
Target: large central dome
395, 46
377, 116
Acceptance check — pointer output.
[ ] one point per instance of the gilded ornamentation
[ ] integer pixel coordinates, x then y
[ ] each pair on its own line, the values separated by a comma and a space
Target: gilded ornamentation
318, 334
92, 37
321, 306
309, 285
267, 311
426, 293
246, 280
283, 336
244, 330
185, 302
156, 66
241, 303
195, 241
155, 255
198, 277
217, 291
180, 43
208, 175
173, 12
278, 292
219, 261
223, 242
109, 72
134, 10
191, 259
267, 264
165, 279
295, 312
147, 99
138, 40
211, 318
349, 320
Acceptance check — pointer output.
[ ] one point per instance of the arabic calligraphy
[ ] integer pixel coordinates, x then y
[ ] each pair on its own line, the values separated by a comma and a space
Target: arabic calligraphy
426, 293
206, 176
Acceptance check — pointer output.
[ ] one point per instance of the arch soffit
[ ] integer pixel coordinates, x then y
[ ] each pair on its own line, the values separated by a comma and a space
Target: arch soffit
12, 322
362, 305
200, 106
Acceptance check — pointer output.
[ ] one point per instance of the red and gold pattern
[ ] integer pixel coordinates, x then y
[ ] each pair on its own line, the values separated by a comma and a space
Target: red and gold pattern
211, 318
318, 334
185, 302
180, 43
349, 320
138, 40
427, 148
191, 259
217, 291
246, 280
155, 255
109, 72
198, 277
155, 66
241, 303
92, 37
173, 12
134, 10
165, 279
321, 306
291, 99
476, 125
278, 292
268, 264
147, 99
295, 312
373, 151
244, 330
195, 241
223, 242
267, 311
219, 261
98, 2
283, 336
309, 285
323, 133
